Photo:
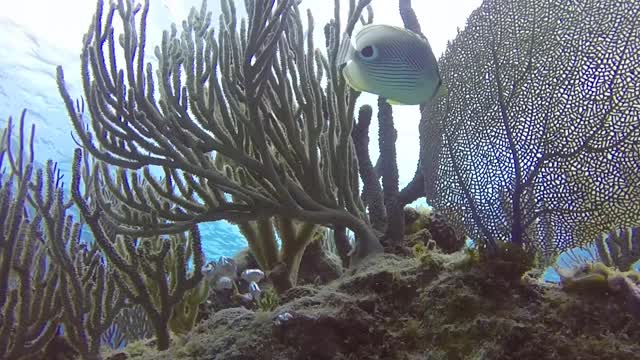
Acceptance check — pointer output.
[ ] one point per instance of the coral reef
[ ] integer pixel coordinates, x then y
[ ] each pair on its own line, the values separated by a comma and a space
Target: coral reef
598, 279
401, 308
319, 265
91, 297
423, 225
385, 202
619, 248
30, 310
150, 271
282, 264
130, 325
231, 285
530, 152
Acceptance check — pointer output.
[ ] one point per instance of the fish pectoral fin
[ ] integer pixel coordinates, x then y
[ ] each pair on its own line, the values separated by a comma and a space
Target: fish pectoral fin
395, 102
348, 74
355, 87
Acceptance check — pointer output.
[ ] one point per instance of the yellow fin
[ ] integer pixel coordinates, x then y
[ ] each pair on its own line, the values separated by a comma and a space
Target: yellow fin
355, 87
395, 102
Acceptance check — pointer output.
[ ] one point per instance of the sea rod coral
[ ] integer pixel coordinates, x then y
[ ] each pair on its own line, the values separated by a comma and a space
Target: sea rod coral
255, 93
29, 307
150, 271
52, 277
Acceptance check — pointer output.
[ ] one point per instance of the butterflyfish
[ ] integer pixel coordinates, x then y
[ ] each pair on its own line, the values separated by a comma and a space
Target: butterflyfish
391, 62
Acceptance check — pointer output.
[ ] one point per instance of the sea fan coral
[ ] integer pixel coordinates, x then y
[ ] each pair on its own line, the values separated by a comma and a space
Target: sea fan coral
538, 140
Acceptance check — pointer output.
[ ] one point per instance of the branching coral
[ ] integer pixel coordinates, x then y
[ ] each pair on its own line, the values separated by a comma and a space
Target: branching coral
113, 337
29, 305
254, 94
83, 296
150, 271
537, 140
90, 297
185, 312
87, 288
620, 248
261, 234
386, 202
82, 286
284, 263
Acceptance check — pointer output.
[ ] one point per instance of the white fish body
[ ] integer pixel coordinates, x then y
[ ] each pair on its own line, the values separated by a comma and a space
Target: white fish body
392, 62
252, 275
255, 290
208, 271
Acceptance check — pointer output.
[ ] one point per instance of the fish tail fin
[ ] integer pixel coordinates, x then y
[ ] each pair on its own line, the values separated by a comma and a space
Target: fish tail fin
441, 90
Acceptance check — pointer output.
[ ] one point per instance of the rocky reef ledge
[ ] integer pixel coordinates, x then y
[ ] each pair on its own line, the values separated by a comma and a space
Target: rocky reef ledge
436, 306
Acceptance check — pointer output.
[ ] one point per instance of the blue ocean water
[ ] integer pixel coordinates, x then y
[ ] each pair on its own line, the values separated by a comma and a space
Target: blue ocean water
221, 239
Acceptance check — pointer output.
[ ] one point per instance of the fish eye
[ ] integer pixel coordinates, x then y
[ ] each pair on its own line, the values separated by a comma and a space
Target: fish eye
367, 52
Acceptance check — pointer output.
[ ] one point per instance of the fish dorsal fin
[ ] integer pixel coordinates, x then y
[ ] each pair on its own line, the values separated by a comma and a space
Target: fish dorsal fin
441, 90
344, 50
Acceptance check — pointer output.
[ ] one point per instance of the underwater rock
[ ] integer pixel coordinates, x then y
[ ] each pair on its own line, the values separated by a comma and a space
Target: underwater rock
599, 279
318, 266
327, 334
297, 292
231, 315
439, 230
398, 308
118, 356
